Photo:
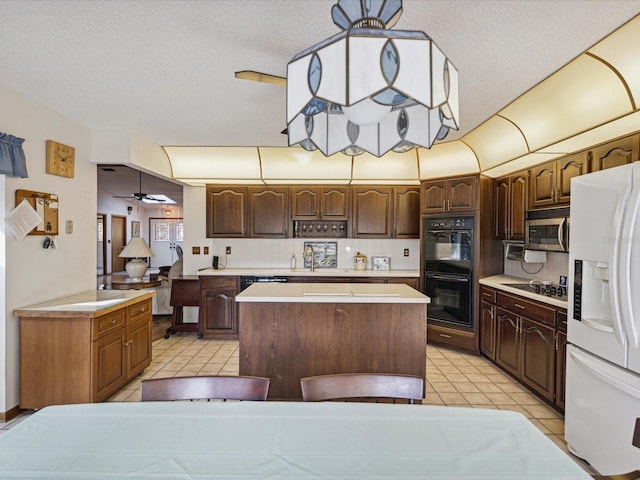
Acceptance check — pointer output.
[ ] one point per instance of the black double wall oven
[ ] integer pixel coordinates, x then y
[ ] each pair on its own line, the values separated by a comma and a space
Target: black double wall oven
448, 270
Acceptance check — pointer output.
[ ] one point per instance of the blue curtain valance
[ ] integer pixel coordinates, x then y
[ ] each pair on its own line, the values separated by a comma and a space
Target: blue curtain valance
12, 159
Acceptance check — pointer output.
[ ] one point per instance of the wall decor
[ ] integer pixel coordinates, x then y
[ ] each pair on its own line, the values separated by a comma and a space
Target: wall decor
46, 205
135, 229
60, 159
325, 254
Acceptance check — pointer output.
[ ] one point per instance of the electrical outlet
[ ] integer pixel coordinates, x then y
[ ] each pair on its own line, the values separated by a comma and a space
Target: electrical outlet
206, 250
406, 252
195, 250
228, 250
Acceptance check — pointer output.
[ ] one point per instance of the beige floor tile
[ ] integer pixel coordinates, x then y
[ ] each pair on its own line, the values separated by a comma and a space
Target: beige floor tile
514, 408
466, 387
500, 398
456, 377
441, 361
443, 387
524, 398
511, 386
478, 377
436, 377
541, 411
453, 399
540, 426
467, 369
477, 398
432, 399
554, 425
488, 387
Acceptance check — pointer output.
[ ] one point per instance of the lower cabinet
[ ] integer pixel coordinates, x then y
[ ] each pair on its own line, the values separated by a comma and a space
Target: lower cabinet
522, 337
80, 357
218, 308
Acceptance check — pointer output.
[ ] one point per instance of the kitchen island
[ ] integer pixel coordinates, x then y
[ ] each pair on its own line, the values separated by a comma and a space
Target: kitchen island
288, 331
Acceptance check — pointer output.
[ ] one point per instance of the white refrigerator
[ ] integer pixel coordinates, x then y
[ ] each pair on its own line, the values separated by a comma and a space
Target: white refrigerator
603, 358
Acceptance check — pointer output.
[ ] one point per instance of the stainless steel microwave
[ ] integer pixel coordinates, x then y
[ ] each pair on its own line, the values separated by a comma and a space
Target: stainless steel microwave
547, 229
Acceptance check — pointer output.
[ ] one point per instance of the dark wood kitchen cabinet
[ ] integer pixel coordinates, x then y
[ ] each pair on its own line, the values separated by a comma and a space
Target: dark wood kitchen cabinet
372, 212
320, 203
561, 357
488, 322
268, 212
218, 315
550, 183
520, 335
614, 154
510, 206
226, 211
452, 195
406, 212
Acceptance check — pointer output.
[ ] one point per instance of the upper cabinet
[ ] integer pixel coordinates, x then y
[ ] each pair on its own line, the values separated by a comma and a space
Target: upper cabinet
259, 212
616, 153
372, 212
320, 203
406, 204
510, 206
268, 212
454, 195
550, 183
226, 211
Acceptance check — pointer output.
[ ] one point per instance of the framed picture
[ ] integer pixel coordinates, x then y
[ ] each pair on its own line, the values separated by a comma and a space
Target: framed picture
135, 229
325, 254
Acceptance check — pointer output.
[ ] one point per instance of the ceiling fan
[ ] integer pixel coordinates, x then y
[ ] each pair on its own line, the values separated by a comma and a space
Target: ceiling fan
140, 196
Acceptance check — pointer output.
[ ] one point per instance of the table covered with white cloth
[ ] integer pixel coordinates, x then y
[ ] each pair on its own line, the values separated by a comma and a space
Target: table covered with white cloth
284, 440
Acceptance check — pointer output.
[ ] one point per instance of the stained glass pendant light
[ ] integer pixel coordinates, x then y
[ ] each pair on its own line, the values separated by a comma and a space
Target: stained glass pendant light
369, 88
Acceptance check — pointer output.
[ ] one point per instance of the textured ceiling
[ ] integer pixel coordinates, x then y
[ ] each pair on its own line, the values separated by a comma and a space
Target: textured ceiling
166, 68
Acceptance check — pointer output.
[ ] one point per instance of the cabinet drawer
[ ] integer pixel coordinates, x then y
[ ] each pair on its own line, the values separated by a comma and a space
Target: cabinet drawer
140, 309
451, 336
106, 324
532, 310
487, 294
219, 283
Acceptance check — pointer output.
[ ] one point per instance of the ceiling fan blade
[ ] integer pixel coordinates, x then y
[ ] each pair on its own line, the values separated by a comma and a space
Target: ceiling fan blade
261, 77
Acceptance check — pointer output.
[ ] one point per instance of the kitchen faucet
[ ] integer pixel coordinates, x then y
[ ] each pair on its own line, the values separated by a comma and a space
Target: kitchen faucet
309, 253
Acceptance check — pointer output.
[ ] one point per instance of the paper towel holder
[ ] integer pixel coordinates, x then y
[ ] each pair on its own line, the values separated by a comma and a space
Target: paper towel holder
535, 256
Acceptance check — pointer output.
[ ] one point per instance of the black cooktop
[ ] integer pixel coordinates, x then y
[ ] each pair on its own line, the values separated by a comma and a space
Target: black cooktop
551, 290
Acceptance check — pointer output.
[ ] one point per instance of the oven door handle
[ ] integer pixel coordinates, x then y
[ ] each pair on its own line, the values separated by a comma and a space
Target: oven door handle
449, 279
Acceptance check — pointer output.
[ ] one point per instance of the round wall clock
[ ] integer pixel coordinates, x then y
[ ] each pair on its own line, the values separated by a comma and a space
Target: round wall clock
60, 159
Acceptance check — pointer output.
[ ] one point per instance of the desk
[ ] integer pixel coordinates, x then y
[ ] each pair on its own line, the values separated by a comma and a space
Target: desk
125, 283
292, 440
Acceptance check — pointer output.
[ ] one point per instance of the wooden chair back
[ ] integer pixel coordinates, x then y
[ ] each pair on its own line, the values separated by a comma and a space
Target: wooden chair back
363, 386
219, 387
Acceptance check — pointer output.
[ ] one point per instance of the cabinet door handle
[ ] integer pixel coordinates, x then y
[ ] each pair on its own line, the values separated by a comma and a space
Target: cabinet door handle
445, 335
519, 306
113, 322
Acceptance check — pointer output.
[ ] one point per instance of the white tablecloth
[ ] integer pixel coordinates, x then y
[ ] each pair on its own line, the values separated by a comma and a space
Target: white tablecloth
291, 440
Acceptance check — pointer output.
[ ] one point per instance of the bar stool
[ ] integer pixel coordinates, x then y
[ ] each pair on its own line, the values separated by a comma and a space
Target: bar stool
185, 292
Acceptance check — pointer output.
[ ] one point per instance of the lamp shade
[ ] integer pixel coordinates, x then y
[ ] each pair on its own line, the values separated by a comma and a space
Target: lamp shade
136, 248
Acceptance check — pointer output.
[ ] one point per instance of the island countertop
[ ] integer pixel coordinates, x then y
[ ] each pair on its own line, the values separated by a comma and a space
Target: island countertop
89, 302
331, 293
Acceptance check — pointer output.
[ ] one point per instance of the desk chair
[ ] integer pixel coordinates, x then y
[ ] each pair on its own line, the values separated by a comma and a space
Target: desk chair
635, 475
205, 387
369, 386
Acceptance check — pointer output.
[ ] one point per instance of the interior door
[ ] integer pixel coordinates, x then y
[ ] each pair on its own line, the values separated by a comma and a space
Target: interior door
118, 241
166, 234
101, 244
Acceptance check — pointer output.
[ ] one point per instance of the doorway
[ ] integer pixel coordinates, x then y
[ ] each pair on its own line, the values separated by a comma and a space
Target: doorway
101, 248
165, 234
118, 241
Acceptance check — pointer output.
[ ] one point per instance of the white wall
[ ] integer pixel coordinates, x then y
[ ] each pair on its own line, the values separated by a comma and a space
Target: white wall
31, 273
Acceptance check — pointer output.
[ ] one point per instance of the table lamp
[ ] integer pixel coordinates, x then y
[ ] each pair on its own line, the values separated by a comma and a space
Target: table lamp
136, 250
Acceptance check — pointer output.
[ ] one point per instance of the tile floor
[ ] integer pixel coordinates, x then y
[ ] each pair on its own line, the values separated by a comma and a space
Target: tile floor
453, 379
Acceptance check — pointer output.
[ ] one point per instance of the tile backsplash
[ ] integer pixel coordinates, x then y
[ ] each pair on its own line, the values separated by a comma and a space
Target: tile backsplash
276, 253
557, 264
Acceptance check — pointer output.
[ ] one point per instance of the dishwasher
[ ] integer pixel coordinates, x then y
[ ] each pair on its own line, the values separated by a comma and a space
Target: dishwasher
250, 280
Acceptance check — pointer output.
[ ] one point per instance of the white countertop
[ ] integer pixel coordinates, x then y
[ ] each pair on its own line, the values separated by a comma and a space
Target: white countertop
91, 301
331, 293
499, 281
303, 272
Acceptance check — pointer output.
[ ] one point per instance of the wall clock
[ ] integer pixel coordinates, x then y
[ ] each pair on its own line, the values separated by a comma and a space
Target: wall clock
60, 159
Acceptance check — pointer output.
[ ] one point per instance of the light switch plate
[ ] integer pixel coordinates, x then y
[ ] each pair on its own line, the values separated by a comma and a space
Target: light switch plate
69, 226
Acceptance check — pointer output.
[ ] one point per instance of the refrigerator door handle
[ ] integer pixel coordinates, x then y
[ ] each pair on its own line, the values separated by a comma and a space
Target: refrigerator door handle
614, 265
598, 325
586, 363
624, 268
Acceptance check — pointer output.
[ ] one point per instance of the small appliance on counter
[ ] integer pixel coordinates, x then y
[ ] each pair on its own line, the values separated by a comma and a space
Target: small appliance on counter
360, 261
381, 263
